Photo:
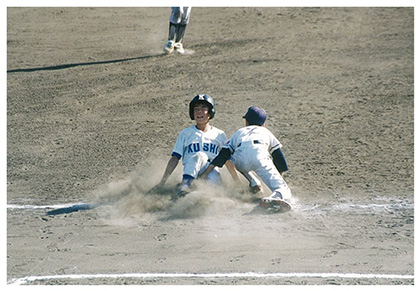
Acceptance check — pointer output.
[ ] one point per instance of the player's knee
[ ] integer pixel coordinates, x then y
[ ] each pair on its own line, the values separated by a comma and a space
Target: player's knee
214, 178
200, 157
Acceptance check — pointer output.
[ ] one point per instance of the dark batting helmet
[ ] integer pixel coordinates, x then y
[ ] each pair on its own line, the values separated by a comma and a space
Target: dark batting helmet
202, 98
255, 115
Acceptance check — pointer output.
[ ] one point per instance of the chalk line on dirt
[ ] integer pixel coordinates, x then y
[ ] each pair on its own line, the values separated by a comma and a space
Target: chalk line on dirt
29, 279
300, 207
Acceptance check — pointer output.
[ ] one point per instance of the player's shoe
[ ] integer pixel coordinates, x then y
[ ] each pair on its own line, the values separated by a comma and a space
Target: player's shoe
276, 202
179, 48
169, 47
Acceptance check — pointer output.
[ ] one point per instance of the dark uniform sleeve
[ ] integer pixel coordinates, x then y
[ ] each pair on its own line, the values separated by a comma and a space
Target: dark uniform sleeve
221, 158
279, 161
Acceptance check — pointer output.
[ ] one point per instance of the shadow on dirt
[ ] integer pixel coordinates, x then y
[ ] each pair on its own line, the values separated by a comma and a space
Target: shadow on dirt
71, 65
73, 208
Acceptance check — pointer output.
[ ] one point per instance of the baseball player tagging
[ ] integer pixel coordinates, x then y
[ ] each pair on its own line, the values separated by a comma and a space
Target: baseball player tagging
255, 148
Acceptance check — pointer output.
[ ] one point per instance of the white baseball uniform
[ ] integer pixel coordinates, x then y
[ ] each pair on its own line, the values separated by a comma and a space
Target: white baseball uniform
251, 148
197, 148
180, 15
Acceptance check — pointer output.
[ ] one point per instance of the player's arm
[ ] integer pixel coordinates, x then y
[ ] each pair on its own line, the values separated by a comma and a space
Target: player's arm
175, 157
232, 170
218, 161
207, 171
279, 161
170, 167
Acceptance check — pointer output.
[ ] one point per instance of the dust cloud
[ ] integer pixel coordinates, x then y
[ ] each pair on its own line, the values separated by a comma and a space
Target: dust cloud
135, 195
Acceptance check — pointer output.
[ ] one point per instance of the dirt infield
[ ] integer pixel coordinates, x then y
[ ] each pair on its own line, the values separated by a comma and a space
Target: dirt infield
94, 108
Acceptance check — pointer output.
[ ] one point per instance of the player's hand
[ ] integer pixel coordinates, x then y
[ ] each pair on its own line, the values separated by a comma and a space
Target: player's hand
156, 188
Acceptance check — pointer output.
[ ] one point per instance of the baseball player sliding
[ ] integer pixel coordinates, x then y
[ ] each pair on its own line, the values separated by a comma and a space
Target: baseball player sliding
197, 145
180, 17
255, 148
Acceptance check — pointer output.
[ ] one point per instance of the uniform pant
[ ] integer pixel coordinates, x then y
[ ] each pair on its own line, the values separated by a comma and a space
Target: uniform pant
180, 15
197, 164
256, 158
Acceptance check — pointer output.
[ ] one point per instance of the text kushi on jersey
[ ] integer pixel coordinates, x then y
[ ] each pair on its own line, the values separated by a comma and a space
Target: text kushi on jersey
207, 147
191, 141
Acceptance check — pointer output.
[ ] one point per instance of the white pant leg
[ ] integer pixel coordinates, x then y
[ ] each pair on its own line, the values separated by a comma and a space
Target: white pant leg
252, 179
257, 159
197, 164
214, 177
180, 15
244, 165
272, 178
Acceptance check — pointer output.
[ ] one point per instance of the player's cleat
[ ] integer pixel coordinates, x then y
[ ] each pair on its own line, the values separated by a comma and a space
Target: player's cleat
179, 48
169, 47
275, 201
279, 205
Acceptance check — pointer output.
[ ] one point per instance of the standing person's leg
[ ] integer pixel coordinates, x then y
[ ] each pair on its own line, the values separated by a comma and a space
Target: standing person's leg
180, 17
174, 19
182, 26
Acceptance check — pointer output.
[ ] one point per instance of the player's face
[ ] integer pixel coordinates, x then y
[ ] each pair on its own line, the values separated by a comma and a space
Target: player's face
201, 113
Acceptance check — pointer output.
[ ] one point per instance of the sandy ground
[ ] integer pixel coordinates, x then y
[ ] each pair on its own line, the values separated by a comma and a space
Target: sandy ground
94, 108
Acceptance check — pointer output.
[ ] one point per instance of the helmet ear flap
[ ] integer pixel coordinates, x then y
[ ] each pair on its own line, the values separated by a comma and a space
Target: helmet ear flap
191, 113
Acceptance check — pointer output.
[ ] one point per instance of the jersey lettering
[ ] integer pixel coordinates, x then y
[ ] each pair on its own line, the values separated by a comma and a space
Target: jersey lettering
207, 147
189, 150
213, 148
